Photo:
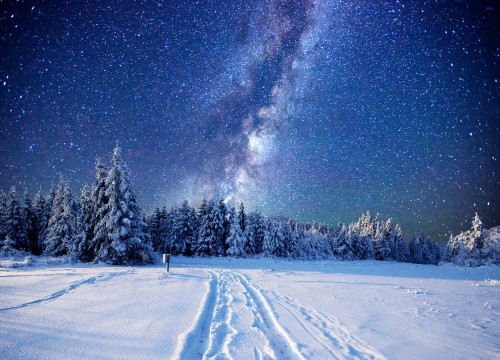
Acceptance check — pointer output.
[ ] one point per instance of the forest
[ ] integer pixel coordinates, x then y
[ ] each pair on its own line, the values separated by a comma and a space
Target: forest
106, 225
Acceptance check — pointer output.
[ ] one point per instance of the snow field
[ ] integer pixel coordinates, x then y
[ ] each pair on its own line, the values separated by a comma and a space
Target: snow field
219, 308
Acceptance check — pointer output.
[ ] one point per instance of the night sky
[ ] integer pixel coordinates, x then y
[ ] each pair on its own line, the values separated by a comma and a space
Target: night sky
314, 110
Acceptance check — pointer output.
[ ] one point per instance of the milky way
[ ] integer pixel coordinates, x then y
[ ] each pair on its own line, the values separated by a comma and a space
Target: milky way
314, 110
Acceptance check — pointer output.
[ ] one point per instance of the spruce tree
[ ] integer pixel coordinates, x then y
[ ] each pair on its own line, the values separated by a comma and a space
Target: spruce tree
236, 240
291, 240
31, 221
389, 238
81, 248
257, 222
217, 225
226, 224
182, 230
204, 232
42, 213
3, 216
242, 216
166, 229
267, 243
62, 223
15, 223
99, 205
380, 244
249, 236
402, 251
121, 225
343, 247
154, 222
274, 242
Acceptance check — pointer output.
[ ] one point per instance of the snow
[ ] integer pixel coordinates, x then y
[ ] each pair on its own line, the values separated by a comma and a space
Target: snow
258, 308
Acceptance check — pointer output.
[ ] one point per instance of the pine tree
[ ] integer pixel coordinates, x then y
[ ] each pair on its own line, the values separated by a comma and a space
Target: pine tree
257, 222
267, 244
490, 253
380, 244
15, 223
274, 242
226, 224
242, 216
210, 230
3, 216
389, 238
402, 251
424, 251
249, 236
166, 229
415, 251
183, 230
31, 222
361, 245
154, 224
343, 247
81, 248
366, 225
217, 224
290, 240
194, 222
202, 243
466, 248
42, 213
62, 223
477, 234
100, 206
50, 200
121, 225
236, 240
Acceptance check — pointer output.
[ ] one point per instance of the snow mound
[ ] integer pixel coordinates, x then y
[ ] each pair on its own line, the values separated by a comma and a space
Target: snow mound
13, 258
492, 282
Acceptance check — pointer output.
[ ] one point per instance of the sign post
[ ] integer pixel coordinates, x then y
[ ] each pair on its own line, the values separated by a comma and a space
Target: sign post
166, 260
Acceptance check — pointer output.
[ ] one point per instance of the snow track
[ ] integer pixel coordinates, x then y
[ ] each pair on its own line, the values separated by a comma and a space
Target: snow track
66, 290
333, 340
235, 312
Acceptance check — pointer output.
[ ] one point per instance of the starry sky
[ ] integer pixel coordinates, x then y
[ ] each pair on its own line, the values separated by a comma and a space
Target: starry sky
314, 110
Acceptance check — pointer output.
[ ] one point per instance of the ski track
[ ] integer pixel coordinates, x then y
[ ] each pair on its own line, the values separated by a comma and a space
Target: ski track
233, 312
325, 330
67, 289
194, 343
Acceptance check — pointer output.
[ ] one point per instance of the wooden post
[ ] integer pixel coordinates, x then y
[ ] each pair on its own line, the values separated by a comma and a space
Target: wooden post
168, 262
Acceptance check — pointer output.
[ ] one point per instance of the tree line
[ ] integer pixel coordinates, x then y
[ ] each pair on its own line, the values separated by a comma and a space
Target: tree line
107, 225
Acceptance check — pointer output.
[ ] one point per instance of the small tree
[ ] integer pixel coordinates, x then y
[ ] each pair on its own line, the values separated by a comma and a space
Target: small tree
236, 240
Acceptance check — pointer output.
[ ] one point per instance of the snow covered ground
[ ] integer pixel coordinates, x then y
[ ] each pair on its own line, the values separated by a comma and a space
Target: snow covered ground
249, 309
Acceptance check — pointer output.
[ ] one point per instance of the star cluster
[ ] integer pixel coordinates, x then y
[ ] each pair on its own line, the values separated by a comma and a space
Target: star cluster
314, 110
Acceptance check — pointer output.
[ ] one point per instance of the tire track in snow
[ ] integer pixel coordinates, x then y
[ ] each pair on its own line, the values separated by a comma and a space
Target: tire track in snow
233, 315
66, 290
325, 330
